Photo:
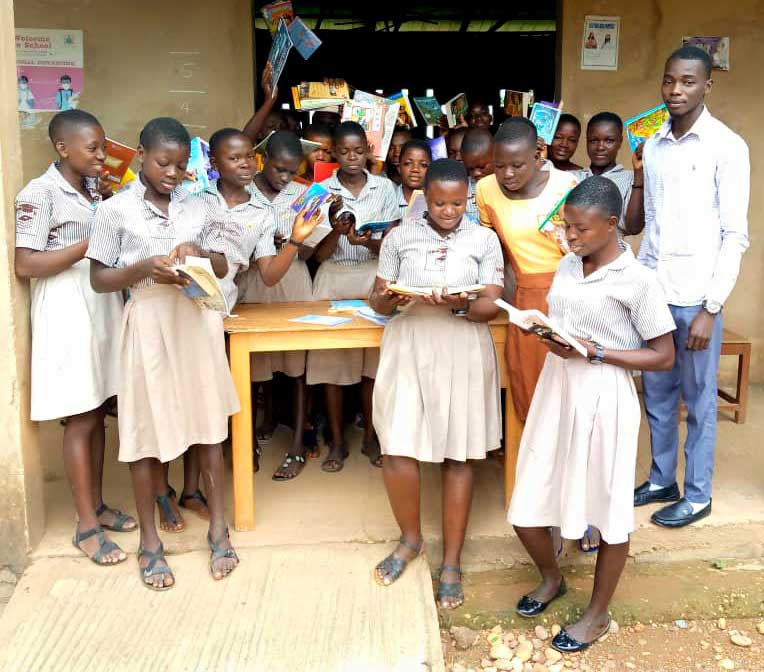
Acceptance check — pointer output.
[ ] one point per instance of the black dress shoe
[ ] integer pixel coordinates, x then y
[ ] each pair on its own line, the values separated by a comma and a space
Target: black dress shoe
564, 643
643, 495
529, 607
679, 514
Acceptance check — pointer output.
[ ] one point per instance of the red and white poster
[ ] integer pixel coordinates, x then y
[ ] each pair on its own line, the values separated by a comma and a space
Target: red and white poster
49, 67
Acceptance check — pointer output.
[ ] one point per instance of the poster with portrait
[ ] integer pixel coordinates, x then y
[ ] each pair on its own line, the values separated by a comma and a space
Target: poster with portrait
718, 48
599, 46
49, 68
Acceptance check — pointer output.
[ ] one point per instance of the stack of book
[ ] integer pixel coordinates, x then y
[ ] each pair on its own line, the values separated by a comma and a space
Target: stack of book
319, 95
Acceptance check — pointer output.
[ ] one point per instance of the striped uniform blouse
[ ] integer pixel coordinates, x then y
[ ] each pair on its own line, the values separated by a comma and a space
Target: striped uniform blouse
280, 206
402, 203
415, 254
128, 229
51, 214
619, 306
377, 202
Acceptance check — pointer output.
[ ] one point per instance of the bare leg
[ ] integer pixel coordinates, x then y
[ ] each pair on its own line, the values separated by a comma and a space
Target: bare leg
367, 395
610, 564
457, 479
147, 477
401, 475
191, 498
162, 488
265, 431
213, 473
538, 543
291, 468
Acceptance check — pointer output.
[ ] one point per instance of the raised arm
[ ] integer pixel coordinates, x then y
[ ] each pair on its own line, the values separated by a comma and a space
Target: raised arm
634, 217
256, 122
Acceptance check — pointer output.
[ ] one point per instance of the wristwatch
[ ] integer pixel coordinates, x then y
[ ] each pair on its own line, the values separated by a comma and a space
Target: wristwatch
712, 307
599, 354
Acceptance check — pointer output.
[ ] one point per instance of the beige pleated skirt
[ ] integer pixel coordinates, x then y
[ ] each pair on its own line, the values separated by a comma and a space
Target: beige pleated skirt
578, 451
437, 394
296, 285
175, 387
348, 366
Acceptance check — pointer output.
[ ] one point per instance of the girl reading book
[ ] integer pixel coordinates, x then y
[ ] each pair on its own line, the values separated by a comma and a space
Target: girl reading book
437, 393
348, 268
578, 451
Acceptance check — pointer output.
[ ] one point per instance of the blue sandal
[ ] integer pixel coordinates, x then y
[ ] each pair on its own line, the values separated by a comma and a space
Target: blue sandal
156, 565
588, 536
169, 515
392, 566
219, 552
105, 546
121, 519
450, 590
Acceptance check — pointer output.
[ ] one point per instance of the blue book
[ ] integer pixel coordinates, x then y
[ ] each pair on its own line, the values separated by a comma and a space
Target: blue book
347, 305
311, 200
545, 117
280, 48
303, 38
322, 320
372, 226
198, 167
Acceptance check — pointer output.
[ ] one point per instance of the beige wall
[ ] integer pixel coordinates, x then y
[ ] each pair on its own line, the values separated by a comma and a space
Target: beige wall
134, 71
649, 32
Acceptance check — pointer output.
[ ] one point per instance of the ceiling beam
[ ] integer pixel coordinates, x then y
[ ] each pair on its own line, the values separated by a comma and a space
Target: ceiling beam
497, 25
464, 26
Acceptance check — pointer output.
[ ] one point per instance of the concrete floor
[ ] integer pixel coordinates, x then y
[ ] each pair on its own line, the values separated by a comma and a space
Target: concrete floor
352, 506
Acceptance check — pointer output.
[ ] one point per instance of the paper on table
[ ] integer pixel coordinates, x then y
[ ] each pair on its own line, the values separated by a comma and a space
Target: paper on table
322, 320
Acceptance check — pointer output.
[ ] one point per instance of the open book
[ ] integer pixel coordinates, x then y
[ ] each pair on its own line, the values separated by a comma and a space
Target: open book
427, 291
204, 288
455, 108
541, 325
377, 116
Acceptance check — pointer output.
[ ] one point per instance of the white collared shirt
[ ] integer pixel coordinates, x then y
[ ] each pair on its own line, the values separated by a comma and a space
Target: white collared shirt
696, 210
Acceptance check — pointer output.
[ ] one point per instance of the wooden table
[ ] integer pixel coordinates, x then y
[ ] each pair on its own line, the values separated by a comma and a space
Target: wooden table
266, 328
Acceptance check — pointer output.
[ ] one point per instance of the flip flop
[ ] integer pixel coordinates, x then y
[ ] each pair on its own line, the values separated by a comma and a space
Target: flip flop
121, 519
588, 535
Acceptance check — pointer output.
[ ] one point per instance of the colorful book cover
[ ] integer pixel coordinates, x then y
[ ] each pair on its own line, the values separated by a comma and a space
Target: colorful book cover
275, 11
641, 127
198, 167
430, 110
118, 160
517, 103
280, 48
377, 116
347, 305
374, 227
455, 109
311, 200
545, 117
324, 170
315, 95
438, 147
303, 38
405, 113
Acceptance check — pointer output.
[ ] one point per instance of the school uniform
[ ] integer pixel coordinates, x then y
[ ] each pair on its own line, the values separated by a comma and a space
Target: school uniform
74, 330
622, 178
437, 393
402, 202
579, 447
296, 285
175, 387
349, 274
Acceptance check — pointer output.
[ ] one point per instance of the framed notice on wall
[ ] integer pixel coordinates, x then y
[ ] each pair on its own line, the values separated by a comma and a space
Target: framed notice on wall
599, 46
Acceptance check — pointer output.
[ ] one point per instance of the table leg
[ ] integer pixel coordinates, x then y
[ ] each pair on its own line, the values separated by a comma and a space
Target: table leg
744, 366
243, 481
513, 429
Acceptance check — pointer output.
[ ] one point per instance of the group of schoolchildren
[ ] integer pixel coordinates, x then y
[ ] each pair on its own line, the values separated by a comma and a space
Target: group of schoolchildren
495, 217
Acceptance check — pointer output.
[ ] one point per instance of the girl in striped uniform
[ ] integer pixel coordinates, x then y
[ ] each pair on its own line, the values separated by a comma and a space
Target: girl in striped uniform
415, 158
579, 447
74, 330
348, 268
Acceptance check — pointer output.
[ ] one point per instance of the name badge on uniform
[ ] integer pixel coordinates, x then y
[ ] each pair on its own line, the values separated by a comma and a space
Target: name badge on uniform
436, 259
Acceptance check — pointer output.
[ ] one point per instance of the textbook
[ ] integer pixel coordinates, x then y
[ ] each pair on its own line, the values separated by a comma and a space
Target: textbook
303, 38
316, 95
428, 291
204, 288
377, 116
641, 127
276, 11
535, 321
347, 306
324, 170
438, 147
322, 320
518, 103
311, 200
372, 226
198, 168
430, 110
417, 206
455, 109
545, 117
117, 162
405, 112
277, 57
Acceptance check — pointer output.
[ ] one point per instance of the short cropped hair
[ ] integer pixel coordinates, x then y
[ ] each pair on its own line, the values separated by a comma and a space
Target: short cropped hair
223, 134
416, 143
445, 170
517, 129
283, 143
68, 120
164, 130
349, 129
476, 140
567, 118
597, 192
690, 53
605, 118
317, 129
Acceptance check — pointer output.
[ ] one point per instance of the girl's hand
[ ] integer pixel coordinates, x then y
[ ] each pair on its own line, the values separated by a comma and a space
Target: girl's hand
184, 250
278, 240
355, 238
335, 206
542, 149
266, 81
393, 300
302, 227
105, 185
636, 158
160, 270
567, 352
442, 298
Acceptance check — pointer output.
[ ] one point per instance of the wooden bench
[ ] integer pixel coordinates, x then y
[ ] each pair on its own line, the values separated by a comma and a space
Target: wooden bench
740, 346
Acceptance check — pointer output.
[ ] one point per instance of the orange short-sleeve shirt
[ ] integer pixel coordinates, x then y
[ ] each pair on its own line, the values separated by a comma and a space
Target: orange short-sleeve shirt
517, 221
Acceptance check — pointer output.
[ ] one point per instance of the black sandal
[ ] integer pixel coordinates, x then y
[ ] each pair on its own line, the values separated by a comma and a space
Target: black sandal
373, 451
218, 552
198, 496
564, 643
105, 546
121, 519
151, 569
392, 566
333, 465
169, 514
288, 461
449, 590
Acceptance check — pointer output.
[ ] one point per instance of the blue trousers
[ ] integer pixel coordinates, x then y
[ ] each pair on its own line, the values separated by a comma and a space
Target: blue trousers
695, 376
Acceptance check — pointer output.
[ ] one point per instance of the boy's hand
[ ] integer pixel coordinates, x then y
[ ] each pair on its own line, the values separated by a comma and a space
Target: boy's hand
443, 298
266, 81
160, 270
355, 238
701, 330
636, 158
541, 148
302, 227
184, 250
